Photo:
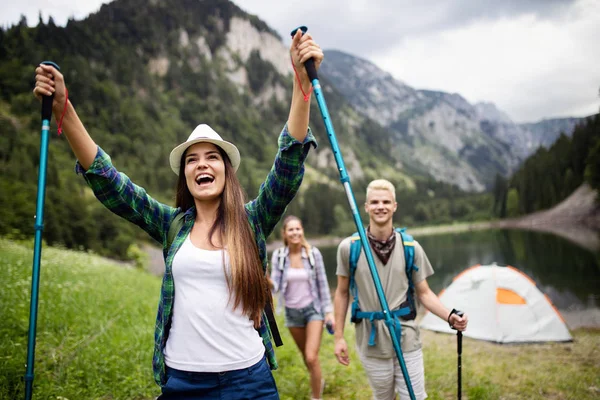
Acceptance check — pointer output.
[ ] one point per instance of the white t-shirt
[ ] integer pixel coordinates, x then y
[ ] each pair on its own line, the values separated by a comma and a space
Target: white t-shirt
207, 334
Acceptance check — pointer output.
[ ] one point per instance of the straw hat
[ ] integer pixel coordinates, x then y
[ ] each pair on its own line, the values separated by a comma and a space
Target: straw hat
204, 134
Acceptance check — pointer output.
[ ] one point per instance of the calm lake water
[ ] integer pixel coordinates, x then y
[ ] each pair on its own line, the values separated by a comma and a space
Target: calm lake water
568, 274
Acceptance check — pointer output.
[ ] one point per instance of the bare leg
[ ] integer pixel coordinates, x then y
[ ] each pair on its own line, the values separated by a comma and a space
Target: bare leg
314, 330
299, 335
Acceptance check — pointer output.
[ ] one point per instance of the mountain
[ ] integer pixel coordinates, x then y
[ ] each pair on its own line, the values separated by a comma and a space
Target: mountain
142, 75
525, 138
440, 133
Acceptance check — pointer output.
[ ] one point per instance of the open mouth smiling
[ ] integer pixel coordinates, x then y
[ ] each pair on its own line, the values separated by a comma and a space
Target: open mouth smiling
205, 179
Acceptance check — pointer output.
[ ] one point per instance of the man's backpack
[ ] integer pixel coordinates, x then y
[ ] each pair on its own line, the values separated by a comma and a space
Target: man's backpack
407, 310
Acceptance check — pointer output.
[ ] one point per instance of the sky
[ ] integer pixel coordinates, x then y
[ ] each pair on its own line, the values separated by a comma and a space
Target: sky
534, 59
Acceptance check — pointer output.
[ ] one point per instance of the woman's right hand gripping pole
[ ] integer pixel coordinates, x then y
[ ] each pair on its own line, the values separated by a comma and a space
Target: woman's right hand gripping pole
48, 81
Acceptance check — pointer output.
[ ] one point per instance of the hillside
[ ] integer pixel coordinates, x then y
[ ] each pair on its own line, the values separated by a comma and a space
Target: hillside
577, 218
142, 75
439, 132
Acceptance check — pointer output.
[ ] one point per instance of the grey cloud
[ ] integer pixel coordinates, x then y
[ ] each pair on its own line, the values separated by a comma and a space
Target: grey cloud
380, 24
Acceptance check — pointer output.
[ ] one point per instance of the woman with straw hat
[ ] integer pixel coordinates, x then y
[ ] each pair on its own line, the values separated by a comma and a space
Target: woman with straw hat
212, 338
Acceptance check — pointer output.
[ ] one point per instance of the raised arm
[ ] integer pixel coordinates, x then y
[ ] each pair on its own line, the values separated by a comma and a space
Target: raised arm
303, 48
49, 80
114, 189
287, 172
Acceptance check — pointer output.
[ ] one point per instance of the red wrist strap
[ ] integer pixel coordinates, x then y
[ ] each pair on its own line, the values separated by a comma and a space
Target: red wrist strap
64, 111
300, 83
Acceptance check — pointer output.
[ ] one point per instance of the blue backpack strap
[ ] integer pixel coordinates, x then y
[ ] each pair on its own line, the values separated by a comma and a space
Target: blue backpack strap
408, 242
355, 249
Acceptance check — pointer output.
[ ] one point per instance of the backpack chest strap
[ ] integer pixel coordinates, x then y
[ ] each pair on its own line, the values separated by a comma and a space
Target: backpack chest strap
372, 316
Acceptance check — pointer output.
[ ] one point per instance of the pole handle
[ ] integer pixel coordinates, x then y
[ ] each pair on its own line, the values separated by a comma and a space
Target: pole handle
311, 70
47, 100
459, 335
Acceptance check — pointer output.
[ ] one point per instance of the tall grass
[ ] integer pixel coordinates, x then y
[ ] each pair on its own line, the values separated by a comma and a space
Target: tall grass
95, 326
95, 338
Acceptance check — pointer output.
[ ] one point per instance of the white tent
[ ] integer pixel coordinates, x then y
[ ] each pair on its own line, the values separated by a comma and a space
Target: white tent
503, 305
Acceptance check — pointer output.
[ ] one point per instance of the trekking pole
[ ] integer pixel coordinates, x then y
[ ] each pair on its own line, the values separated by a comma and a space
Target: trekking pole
459, 351
37, 246
393, 325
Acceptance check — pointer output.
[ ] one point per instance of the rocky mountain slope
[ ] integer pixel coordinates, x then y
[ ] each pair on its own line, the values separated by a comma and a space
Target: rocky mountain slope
439, 132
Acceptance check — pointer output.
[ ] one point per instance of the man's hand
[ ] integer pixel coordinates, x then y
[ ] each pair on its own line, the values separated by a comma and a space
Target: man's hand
457, 322
341, 351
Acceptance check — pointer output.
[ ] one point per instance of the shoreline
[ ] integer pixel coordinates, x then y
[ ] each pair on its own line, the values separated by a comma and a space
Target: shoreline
579, 234
577, 219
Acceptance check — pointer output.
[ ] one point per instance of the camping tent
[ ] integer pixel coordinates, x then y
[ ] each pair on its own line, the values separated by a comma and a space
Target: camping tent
503, 305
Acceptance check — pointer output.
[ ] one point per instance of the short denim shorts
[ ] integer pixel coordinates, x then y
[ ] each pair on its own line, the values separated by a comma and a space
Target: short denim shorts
300, 317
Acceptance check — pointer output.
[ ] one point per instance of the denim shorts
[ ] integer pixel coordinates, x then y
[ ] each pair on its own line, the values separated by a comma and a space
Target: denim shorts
255, 382
300, 317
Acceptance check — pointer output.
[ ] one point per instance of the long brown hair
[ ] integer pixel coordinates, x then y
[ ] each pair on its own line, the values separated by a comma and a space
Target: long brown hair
287, 220
247, 282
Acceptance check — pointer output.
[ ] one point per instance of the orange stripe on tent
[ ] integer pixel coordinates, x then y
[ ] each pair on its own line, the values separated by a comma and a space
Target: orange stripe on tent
554, 308
465, 271
522, 273
545, 295
507, 296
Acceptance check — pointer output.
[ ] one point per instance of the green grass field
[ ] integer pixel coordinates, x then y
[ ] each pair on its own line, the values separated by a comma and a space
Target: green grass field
95, 338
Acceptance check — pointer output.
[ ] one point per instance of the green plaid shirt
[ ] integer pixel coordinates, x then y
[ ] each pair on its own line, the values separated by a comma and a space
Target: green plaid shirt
120, 195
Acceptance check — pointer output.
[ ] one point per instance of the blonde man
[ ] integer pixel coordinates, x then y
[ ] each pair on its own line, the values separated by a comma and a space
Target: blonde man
375, 349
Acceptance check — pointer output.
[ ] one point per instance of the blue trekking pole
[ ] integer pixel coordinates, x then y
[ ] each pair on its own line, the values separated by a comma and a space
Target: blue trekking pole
37, 246
393, 325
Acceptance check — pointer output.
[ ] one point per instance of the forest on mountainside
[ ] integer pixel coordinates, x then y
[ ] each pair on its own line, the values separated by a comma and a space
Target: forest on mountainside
550, 175
138, 115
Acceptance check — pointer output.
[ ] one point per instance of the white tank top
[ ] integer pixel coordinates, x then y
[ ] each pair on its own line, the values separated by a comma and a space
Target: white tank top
207, 334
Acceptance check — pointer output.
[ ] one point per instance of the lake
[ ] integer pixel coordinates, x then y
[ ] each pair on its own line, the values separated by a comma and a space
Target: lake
568, 274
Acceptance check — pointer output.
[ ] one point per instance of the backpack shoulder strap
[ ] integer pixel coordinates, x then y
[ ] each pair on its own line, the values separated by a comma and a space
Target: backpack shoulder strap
174, 228
355, 250
408, 243
280, 258
311, 261
280, 264
311, 257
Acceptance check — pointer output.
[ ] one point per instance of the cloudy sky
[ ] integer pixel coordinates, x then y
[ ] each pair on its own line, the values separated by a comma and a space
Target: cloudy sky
533, 58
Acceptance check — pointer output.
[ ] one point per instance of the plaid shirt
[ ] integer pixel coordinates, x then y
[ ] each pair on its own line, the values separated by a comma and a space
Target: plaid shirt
319, 287
116, 191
